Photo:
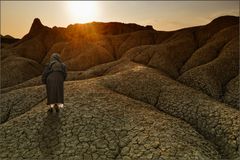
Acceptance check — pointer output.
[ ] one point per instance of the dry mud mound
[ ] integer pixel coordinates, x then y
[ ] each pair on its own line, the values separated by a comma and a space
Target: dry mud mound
131, 93
100, 124
129, 112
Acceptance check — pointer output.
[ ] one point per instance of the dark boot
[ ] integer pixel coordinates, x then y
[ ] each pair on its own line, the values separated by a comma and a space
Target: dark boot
56, 108
50, 110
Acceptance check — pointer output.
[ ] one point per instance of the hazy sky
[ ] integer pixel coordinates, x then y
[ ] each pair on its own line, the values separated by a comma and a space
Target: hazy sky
17, 16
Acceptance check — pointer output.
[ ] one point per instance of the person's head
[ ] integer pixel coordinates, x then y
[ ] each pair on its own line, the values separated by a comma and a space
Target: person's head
55, 57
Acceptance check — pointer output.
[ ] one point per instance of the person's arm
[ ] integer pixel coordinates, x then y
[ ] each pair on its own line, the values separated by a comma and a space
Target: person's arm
64, 72
45, 74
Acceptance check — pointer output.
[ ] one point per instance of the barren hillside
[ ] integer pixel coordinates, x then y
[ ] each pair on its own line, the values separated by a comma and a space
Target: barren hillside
131, 93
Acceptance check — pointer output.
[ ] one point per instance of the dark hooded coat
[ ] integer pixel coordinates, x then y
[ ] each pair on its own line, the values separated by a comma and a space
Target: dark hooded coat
54, 76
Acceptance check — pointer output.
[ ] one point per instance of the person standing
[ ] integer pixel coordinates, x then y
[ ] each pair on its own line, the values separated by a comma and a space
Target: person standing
53, 76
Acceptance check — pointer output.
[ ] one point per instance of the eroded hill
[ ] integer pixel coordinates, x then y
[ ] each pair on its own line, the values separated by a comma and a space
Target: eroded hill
131, 93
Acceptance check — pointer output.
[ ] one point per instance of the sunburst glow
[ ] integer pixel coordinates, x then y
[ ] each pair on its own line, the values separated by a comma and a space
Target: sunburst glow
83, 11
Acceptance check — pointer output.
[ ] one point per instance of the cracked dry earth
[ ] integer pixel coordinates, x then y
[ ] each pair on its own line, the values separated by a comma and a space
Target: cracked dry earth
153, 95
127, 114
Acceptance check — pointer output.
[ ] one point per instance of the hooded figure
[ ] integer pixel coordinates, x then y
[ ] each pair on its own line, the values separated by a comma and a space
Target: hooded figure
54, 76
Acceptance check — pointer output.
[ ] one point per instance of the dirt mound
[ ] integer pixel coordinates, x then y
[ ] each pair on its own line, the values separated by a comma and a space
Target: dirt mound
131, 93
214, 75
12, 75
94, 125
232, 93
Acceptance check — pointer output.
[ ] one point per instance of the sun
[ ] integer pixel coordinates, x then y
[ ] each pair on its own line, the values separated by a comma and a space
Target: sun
82, 11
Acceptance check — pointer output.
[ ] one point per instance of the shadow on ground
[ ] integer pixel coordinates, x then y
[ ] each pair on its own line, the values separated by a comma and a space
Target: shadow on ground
50, 136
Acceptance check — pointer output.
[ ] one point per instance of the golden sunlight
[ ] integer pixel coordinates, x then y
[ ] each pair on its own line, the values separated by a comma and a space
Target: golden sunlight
83, 11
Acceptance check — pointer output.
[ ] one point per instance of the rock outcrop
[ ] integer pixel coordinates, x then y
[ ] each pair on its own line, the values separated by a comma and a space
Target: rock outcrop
131, 93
